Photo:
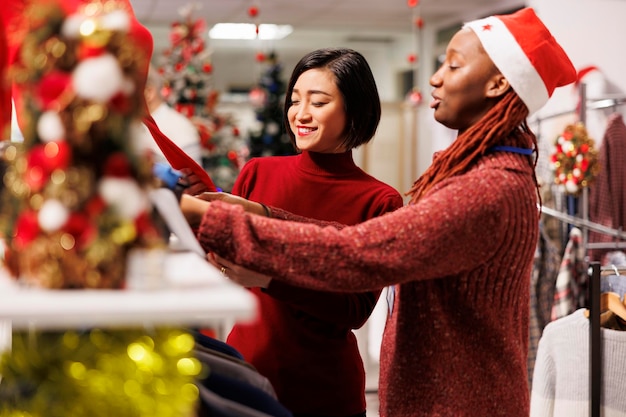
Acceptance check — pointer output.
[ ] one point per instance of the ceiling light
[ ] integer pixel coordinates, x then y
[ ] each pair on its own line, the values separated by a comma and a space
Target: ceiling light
248, 31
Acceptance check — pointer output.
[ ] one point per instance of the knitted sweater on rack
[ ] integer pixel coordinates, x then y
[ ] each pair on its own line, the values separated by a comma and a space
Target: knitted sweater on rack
457, 340
561, 377
302, 339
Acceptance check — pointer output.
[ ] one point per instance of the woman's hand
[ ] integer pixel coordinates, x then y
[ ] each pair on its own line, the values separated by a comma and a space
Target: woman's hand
193, 209
249, 206
242, 276
193, 183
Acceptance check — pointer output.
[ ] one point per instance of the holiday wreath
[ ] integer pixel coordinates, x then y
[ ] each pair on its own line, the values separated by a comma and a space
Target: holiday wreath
574, 159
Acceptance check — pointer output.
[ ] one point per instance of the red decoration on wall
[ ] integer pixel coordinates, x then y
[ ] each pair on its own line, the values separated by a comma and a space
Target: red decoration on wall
253, 11
412, 3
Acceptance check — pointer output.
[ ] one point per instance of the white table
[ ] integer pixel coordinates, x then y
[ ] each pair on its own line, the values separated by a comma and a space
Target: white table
193, 293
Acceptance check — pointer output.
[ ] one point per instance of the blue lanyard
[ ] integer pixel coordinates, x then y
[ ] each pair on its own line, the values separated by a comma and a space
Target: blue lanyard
523, 151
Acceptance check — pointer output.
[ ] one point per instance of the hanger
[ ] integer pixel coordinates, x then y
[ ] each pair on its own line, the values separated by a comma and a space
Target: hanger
610, 302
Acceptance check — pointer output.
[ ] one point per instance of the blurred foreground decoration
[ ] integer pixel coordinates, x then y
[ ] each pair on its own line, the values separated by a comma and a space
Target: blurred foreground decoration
100, 373
75, 201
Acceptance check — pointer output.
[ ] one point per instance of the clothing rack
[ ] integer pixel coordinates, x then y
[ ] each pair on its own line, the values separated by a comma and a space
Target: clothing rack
596, 272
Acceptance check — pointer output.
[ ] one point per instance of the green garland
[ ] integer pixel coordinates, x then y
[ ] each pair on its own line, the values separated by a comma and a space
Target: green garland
100, 373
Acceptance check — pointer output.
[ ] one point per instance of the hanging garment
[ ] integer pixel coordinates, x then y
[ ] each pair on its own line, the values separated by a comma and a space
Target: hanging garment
607, 194
561, 376
569, 292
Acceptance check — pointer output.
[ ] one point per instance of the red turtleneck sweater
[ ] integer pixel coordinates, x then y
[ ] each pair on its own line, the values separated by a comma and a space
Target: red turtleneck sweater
302, 339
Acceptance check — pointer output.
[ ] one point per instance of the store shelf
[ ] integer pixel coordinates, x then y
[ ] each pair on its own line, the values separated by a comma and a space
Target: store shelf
191, 293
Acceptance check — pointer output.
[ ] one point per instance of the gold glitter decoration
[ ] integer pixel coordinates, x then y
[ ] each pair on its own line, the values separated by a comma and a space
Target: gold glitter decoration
99, 373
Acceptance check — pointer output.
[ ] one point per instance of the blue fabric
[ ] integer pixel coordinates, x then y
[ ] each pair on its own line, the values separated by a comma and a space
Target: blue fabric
214, 344
245, 394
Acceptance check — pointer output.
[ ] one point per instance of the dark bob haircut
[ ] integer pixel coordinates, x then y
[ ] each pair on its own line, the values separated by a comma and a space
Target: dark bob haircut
355, 81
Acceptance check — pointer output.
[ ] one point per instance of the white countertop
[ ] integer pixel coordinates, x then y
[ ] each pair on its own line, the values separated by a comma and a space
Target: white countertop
193, 293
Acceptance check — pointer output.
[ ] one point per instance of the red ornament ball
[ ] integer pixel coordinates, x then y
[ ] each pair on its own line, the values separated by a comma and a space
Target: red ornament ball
208, 68
412, 3
419, 22
253, 11
412, 58
260, 57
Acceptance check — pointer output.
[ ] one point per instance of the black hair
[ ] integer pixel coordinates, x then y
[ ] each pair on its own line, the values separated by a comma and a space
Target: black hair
356, 84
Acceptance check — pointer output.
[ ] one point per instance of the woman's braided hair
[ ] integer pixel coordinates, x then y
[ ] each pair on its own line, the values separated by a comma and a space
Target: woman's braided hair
504, 124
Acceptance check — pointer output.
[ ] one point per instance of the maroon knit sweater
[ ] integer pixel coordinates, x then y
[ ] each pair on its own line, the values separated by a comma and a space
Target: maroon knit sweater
302, 339
457, 340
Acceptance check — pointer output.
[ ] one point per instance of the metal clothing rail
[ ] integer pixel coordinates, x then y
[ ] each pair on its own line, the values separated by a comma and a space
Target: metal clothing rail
577, 221
595, 341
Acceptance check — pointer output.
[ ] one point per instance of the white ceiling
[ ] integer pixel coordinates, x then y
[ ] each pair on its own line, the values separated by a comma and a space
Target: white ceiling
360, 17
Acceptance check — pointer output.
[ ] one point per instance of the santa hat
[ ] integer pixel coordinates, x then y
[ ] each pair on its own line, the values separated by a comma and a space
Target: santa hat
526, 53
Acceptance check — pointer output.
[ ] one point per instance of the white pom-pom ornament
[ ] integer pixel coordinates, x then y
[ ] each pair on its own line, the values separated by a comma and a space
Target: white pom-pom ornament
71, 26
124, 195
571, 187
52, 215
50, 127
98, 78
117, 20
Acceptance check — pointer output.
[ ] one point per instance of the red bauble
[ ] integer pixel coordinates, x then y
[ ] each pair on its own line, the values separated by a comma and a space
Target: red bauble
415, 97
117, 165
208, 68
412, 58
412, 3
260, 57
419, 22
26, 229
253, 11
51, 87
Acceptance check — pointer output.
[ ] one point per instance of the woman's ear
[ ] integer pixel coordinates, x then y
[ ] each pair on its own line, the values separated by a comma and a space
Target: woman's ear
497, 86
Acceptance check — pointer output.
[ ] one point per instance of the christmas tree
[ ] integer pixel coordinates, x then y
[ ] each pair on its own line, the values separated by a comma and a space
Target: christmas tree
269, 136
187, 71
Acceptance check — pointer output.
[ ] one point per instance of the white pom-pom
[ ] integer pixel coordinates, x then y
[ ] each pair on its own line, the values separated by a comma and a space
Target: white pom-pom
577, 173
571, 187
579, 158
52, 215
98, 78
116, 20
71, 26
50, 127
124, 195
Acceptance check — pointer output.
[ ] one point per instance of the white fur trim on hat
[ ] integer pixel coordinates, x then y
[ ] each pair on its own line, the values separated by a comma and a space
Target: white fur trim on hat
510, 59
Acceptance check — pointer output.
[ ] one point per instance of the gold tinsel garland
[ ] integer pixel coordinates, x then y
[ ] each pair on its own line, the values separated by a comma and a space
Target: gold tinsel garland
100, 373
574, 159
74, 202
